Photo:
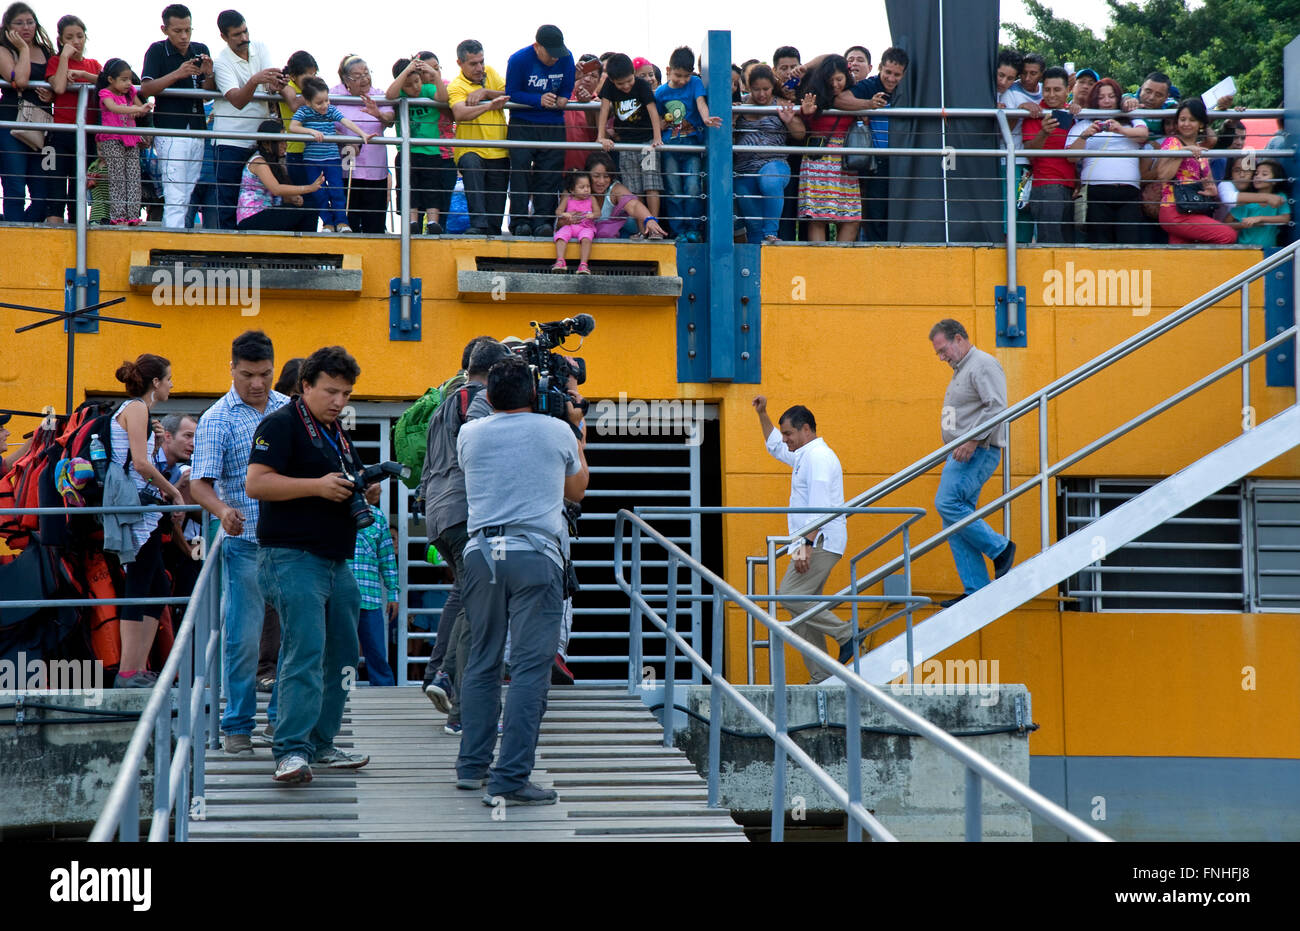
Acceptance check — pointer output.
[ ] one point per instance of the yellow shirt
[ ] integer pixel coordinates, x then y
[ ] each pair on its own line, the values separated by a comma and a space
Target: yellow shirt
489, 126
286, 117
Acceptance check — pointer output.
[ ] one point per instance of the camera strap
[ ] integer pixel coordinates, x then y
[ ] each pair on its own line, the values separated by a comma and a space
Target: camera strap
319, 436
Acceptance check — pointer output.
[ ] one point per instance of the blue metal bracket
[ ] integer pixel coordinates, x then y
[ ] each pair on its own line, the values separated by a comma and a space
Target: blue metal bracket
699, 316
749, 313
1020, 337
693, 312
398, 329
85, 323
1279, 315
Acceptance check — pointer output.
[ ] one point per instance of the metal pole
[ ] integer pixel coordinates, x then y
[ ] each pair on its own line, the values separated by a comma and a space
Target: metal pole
1044, 498
715, 699
943, 126
853, 756
974, 807
749, 625
907, 592
403, 581
162, 768
79, 285
404, 198
773, 644
1013, 293
670, 650
184, 725
1006, 484
777, 651
634, 617
1245, 347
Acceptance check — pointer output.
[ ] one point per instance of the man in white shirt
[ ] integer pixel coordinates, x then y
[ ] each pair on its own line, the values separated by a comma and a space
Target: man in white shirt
242, 69
818, 481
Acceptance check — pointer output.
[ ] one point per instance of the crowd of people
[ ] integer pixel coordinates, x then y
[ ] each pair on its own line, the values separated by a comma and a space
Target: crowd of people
654, 189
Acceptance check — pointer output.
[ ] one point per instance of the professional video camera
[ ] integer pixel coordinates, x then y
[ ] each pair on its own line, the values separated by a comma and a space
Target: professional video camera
551, 370
358, 507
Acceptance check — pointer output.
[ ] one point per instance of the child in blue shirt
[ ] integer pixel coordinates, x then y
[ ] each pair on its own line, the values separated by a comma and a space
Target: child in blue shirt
317, 118
684, 111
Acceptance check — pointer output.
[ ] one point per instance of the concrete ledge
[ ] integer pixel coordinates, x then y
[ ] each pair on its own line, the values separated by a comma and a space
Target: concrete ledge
915, 789
177, 277
487, 286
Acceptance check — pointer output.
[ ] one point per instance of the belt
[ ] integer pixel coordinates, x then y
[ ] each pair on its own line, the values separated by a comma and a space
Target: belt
506, 530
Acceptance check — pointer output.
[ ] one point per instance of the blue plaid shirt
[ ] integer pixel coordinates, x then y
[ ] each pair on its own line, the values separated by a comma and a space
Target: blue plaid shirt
221, 447
375, 564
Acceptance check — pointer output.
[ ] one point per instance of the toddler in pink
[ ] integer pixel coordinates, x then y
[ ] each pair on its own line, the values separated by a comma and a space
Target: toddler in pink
575, 218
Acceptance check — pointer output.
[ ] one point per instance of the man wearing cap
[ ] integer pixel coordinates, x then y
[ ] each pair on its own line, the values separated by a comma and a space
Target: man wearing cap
540, 76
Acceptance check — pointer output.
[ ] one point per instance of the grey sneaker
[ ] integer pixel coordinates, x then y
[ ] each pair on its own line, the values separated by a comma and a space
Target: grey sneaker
265, 737
529, 794
239, 744
440, 692
334, 758
141, 680
293, 769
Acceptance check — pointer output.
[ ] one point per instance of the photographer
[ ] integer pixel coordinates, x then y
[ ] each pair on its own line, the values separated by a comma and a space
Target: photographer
299, 470
514, 572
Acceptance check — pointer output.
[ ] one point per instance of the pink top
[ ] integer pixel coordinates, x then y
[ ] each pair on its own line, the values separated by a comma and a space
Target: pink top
372, 160
109, 118
581, 205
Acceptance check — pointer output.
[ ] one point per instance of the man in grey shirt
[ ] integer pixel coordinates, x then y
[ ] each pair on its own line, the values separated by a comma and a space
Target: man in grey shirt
519, 467
977, 393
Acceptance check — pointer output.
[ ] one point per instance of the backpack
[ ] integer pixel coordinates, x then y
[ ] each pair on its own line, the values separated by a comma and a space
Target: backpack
411, 432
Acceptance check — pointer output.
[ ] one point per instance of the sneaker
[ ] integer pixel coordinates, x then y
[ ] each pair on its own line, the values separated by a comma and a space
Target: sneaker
545, 231
846, 650
342, 228
266, 683
560, 267
334, 758
433, 228
529, 794
292, 769
949, 602
1002, 565
583, 269
522, 229
237, 744
771, 240
451, 730
265, 737
471, 784
560, 672
140, 680
440, 692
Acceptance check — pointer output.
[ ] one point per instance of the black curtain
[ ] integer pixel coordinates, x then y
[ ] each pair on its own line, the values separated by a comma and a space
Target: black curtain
974, 186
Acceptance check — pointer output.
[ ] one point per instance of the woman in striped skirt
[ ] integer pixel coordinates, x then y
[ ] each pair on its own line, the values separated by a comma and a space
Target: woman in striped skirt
827, 192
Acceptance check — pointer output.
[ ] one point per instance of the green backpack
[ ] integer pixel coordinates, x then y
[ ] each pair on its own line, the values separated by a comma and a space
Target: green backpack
411, 432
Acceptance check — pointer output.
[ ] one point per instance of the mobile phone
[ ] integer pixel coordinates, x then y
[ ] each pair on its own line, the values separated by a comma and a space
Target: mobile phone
589, 67
791, 84
1064, 118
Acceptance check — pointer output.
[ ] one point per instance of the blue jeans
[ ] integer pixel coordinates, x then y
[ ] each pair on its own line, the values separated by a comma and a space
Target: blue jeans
20, 169
524, 595
761, 196
332, 197
244, 608
374, 645
958, 495
682, 179
318, 603
298, 175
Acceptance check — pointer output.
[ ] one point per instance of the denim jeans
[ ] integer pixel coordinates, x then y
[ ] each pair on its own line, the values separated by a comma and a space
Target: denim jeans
682, 180
20, 169
332, 196
524, 595
374, 645
760, 198
318, 603
535, 174
243, 611
485, 190
297, 168
958, 495
451, 542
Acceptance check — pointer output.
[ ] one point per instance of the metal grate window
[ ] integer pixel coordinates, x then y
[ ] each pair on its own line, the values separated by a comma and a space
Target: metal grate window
263, 261
1275, 549
543, 266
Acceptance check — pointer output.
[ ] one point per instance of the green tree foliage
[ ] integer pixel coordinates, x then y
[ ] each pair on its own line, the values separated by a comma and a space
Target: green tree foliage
1195, 47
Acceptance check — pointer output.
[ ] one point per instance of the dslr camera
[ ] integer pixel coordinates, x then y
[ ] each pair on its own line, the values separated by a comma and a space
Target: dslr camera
551, 370
358, 507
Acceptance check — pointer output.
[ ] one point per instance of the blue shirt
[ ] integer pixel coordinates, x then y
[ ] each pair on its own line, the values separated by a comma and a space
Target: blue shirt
222, 442
865, 90
527, 79
323, 123
680, 110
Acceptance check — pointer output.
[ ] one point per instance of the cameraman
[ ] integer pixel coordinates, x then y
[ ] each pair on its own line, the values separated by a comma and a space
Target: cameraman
519, 467
306, 535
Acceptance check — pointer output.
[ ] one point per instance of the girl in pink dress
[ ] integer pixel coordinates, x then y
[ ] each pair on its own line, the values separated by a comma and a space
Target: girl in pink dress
575, 219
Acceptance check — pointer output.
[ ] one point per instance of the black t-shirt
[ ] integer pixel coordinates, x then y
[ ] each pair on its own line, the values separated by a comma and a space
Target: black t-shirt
631, 110
325, 528
170, 112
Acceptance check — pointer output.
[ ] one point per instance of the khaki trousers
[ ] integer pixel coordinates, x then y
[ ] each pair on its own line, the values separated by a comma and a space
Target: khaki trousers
824, 623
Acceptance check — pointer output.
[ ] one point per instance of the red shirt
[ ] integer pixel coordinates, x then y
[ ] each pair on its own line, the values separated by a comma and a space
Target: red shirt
65, 104
1049, 170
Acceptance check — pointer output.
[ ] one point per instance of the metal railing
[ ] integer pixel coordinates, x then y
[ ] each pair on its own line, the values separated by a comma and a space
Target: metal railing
978, 768
1037, 403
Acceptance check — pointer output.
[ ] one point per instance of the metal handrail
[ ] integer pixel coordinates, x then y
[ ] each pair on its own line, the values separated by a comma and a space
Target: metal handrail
978, 767
178, 780
1037, 401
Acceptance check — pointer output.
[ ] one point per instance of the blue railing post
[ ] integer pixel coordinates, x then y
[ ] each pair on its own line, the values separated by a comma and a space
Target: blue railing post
670, 650
715, 698
634, 617
719, 210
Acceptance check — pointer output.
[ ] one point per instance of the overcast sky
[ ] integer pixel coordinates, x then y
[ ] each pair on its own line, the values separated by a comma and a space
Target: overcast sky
384, 30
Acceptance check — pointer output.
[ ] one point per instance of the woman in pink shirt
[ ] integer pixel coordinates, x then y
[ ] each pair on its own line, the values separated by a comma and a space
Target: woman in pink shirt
368, 201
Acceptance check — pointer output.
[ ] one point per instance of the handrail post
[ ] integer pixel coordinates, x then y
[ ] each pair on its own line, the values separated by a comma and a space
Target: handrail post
853, 756
634, 617
715, 698
80, 294
1246, 417
670, 650
907, 592
777, 650
1044, 497
162, 768
974, 807
772, 643
184, 728
854, 622
404, 200
749, 625
1013, 292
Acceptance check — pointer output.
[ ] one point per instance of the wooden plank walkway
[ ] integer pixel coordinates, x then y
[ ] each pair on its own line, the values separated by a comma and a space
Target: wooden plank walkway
600, 749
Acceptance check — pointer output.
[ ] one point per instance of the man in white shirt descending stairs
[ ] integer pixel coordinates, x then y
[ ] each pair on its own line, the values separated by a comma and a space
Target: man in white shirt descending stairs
818, 481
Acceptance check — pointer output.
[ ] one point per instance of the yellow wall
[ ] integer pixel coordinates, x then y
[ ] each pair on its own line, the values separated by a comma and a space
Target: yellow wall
844, 331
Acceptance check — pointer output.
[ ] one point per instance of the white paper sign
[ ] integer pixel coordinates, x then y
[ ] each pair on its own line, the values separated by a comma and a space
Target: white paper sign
1224, 88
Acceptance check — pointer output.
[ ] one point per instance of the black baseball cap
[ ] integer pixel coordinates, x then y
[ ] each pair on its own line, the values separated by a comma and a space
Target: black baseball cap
551, 39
